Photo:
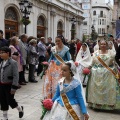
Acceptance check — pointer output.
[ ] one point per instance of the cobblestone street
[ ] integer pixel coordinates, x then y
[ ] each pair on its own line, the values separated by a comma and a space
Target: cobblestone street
29, 96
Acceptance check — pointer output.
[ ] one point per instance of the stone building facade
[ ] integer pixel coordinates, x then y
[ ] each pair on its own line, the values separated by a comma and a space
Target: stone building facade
49, 18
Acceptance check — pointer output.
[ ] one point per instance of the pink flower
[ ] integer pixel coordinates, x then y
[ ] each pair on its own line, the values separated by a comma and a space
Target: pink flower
45, 63
86, 71
47, 103
76, 64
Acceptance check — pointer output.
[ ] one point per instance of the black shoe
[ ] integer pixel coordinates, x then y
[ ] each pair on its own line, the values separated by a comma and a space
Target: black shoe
26, 81
33, 81
21, 113
22, 83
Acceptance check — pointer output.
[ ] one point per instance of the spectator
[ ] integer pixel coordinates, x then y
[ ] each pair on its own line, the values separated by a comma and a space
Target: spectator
42, 53
32, 60
24, 50
114, 42
3, 42
49, 44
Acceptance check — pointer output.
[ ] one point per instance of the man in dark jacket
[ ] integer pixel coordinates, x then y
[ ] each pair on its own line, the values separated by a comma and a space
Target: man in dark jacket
117, 57
3, 42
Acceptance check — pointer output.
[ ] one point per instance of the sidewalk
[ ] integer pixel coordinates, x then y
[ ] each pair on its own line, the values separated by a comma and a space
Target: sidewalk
29, 96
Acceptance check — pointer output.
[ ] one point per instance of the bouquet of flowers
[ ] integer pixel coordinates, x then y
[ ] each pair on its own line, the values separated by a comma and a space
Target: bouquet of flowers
46, 106
86, 71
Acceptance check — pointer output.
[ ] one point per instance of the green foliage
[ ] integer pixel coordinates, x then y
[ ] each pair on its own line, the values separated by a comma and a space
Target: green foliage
25, 21
84, 38
94, 35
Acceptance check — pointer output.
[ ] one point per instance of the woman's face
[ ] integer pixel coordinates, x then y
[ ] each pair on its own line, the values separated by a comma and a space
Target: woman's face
65, 71
58, 41
103, 45
84, 48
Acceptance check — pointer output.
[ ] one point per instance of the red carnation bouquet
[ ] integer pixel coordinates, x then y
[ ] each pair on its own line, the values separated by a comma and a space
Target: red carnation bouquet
86, 72
46, 106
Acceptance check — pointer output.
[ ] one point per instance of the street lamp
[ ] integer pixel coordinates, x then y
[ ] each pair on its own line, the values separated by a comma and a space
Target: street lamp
25, 8
73, 22
93, 28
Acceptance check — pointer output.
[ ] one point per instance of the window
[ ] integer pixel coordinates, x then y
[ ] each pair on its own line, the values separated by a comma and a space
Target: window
99, 30
94, 12
85, 23
85, 31
101, 13
103, 30
102, 21
41, 21
11, 14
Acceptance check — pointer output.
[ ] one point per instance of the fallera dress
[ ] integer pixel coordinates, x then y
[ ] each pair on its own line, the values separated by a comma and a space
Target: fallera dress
103, 89
53, 72
74, 93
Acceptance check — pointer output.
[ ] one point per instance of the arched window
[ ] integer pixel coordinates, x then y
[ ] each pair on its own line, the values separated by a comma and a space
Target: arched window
94, 12
11, 14
41, 21
11, 22
41, 26
59, 28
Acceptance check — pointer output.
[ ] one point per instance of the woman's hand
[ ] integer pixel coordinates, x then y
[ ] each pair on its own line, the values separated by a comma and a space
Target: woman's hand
86, 116
89, 67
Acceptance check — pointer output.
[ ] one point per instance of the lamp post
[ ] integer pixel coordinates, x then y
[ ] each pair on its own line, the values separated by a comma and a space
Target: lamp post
73, 22
25, 8
94, 34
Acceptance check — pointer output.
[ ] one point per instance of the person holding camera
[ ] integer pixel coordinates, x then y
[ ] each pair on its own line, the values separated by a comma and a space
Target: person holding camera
16, 55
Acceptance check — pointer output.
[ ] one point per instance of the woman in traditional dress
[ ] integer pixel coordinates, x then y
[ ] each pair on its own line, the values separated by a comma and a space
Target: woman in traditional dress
68, 100
103, 91
111, 46
53, 72
96, 47
84, 60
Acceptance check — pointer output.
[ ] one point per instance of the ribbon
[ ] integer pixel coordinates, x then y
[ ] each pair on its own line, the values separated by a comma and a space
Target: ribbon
107, 67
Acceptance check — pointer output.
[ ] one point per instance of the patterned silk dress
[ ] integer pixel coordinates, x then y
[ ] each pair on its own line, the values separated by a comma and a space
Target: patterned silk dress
103, 90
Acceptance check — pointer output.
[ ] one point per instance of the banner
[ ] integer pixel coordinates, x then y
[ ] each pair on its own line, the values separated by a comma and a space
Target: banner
117, 28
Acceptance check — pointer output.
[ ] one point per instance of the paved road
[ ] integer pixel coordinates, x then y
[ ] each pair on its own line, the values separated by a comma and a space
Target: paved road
29, 96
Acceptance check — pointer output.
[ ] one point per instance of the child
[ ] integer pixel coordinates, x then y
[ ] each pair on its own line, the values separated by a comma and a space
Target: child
9, 77
68, 99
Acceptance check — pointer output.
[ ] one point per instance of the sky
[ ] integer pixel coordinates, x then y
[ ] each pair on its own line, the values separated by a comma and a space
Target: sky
108, 0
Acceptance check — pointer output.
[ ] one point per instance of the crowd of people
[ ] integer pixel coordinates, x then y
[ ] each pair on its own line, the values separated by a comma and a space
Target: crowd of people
64, 76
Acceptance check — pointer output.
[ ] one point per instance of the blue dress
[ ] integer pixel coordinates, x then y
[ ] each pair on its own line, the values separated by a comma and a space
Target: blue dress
53, 72
74, 93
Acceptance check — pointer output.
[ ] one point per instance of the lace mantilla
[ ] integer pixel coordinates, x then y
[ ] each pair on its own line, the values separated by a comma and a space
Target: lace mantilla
75, 83
60, 53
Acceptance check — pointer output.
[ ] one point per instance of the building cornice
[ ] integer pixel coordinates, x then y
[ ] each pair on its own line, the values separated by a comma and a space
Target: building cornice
65, 3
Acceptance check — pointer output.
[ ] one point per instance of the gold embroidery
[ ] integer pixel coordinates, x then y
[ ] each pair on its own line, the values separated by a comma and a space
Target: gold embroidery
69, 107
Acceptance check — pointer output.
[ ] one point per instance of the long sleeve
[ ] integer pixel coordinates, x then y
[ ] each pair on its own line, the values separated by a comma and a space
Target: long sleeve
51, 57
57, 93
15, 75
78, 92
68, 56
41, 46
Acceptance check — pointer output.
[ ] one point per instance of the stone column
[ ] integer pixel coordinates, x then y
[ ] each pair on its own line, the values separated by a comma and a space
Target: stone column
2, 14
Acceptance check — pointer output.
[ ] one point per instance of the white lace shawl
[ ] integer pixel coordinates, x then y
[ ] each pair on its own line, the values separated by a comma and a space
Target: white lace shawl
86, 61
